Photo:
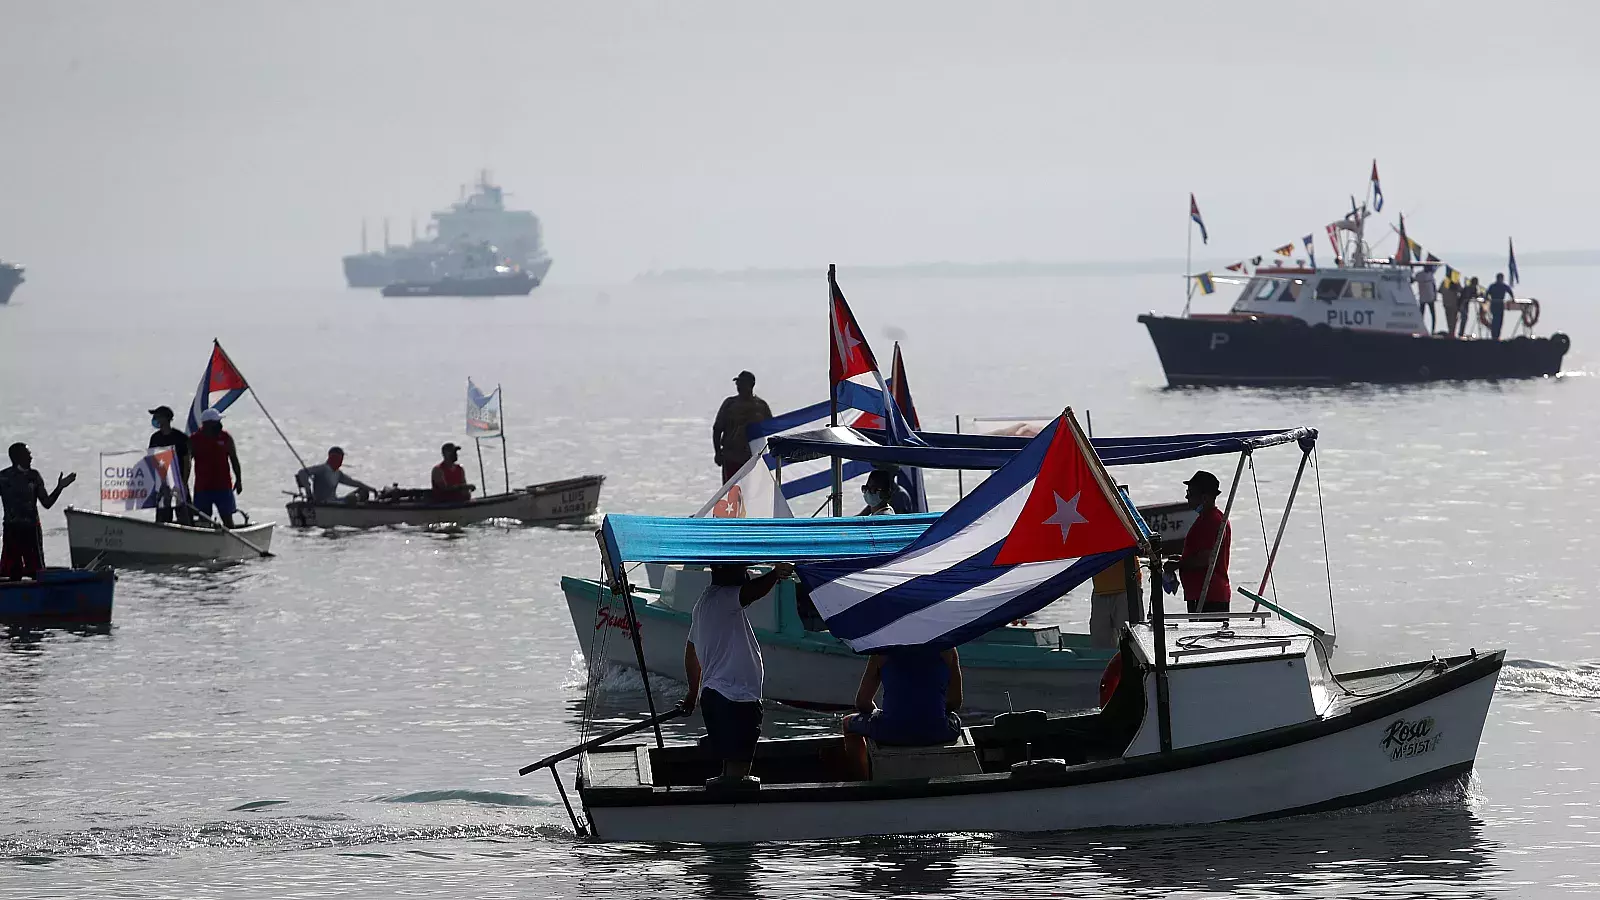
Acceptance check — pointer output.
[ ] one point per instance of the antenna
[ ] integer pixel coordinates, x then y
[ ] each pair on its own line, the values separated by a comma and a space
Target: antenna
363, 235
385, 232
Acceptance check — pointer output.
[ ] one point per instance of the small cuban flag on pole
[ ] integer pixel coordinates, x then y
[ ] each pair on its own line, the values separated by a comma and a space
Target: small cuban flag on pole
1194, 216
1511, 264
1377, 191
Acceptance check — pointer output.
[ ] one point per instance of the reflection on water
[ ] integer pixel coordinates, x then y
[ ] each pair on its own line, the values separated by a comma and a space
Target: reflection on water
347, 718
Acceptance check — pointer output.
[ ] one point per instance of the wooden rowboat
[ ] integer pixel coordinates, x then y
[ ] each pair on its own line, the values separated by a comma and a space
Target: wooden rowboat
119, 539
58, 598
551, 503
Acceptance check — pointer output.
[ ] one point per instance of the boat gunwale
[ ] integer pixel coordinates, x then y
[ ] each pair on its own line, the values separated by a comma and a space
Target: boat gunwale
1462, 672
502, 498
172, 527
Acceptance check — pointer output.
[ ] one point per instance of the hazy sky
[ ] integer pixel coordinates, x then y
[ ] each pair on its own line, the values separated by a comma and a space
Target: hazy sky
205, 144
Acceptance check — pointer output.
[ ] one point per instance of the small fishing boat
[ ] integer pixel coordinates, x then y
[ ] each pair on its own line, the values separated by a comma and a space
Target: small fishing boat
551, 503
1044, 665
121, 539
59, 598
1206, 717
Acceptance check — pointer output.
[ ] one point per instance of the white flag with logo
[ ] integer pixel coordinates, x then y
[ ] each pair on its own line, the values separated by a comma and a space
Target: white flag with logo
138, 479
752, 493
483, 412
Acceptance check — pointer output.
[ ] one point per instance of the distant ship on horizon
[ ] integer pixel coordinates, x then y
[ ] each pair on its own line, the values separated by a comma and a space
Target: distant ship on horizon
10, 277
477, 219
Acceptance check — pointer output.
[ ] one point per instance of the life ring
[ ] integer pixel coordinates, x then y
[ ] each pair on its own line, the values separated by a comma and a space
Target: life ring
1530, 314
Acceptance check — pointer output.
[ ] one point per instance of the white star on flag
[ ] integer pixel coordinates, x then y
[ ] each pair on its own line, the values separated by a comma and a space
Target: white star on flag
1066, 515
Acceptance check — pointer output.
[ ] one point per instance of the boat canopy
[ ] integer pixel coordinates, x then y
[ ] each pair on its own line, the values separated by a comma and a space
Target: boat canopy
671, 539
991, 451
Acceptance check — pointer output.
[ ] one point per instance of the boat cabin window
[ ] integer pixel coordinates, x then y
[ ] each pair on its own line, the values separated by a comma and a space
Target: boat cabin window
1361, 290
1291, 292
1329, 289
1264, 291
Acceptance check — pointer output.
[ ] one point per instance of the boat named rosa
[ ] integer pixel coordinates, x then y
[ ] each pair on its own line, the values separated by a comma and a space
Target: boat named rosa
119, 539
1358, 321
552, 503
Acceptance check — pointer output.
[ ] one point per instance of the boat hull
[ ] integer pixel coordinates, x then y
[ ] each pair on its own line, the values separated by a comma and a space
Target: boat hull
551, 503
1344, 760
60, 598
1245, 350
123, 539
816, 670
10, 279
514, 284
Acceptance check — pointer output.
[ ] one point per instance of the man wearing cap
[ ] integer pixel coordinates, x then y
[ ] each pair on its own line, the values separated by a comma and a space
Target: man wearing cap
738, 412
167, 436
213, 452
321, 482
449, 479
1210, 534
722, 665
21, 488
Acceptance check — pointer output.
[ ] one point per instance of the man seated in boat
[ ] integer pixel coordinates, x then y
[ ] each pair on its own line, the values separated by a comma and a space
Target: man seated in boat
1210, 537
884, 496
921, 694
21, 491
722, 665
449, 479
321, 482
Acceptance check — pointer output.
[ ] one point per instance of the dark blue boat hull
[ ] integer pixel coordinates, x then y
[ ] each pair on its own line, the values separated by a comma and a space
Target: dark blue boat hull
60, 598
1273, 351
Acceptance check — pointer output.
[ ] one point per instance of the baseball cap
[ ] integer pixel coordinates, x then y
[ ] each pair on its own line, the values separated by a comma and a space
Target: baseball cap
746, 375
449, 446
162, 411
1206, 481
211, 415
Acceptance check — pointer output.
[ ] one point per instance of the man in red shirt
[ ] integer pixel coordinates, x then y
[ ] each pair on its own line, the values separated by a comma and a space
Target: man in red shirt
449, 479
1203, 537
213, 453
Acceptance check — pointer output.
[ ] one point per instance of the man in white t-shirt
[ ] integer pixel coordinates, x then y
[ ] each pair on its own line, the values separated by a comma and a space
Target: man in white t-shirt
722, 664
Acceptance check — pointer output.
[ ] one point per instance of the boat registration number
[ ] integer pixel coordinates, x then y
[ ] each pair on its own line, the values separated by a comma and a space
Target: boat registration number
1404, 739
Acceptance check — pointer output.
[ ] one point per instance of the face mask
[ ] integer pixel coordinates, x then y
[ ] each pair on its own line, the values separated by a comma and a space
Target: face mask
873, 499
154, 422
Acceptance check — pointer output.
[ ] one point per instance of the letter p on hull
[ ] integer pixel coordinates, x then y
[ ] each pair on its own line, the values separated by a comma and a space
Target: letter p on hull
1218, 339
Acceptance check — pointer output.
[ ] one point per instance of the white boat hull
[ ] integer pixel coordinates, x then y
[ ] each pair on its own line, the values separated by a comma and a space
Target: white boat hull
1338, 768
571, 500
124, 539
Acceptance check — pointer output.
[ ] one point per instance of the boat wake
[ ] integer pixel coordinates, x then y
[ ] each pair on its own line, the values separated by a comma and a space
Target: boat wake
1578, 681
485, 798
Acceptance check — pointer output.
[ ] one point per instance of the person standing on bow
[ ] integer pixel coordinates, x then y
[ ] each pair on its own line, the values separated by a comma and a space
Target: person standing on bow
1210, 536
21, 493
739, 412
214, 453
1426, 294
167, 436
1450, 299
1499, 293
722, 666
449, 479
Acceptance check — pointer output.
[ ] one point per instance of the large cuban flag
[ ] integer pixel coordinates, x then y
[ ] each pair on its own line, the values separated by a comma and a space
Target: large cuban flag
221, 377
1042, 524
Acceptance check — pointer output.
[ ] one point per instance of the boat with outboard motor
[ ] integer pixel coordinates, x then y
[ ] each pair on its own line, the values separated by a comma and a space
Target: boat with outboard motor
1208, 717
1358, 321
1046, 665
569, 500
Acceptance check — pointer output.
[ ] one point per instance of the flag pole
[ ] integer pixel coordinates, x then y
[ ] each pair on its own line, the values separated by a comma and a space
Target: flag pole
504, 464
1188, 266
482, 478
256, 396
833, 402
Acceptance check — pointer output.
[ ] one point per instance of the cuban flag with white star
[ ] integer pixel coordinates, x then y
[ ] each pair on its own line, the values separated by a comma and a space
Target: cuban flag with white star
1042, 524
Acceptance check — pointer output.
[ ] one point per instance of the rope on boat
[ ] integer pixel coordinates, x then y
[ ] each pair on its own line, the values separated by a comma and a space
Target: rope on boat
1265, 546
1327, 563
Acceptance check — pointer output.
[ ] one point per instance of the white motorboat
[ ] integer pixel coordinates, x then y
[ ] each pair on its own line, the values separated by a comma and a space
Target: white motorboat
551, 503
116, 539
1207, 717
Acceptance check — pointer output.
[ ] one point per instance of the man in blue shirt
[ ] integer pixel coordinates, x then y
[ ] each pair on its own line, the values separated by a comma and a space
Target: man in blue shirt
1499, 293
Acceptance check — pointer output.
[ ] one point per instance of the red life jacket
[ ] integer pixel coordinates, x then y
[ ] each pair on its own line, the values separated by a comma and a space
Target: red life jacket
455, 477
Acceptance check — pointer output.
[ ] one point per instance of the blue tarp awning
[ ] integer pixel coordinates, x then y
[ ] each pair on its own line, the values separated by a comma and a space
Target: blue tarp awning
987, 451
670, 539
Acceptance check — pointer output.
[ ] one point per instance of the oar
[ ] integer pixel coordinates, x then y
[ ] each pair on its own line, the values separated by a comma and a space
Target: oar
608, 737
265, 554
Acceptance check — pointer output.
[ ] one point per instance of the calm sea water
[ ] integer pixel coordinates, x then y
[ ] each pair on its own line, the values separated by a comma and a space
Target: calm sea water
347, 718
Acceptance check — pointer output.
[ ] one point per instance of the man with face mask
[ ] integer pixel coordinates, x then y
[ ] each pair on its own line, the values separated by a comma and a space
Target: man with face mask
214, 453
167, 436
884, 496
1209, 534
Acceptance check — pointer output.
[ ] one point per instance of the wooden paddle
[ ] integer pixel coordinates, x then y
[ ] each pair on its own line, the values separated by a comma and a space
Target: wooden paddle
606, 738
265, 554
